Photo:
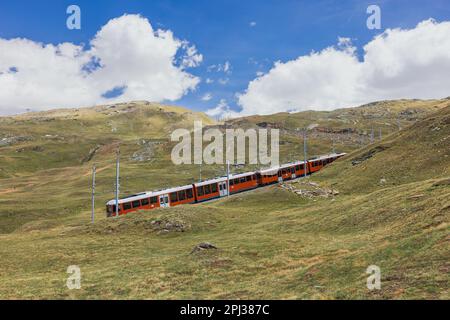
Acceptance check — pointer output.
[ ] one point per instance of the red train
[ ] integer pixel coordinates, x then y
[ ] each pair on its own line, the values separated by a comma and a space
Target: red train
218, 187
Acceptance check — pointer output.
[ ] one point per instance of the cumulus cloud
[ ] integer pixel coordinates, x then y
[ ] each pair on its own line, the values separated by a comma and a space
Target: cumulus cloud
399, 63
126, 56
221, 111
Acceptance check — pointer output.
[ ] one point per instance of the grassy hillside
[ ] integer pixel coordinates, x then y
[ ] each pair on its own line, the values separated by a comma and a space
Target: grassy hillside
391, 210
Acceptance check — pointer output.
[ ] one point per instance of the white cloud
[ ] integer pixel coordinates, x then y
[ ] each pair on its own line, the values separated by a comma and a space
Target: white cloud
225, 68
397, 64
259, 73
252, 24
221, 111
206, 97
126, 53
208, 80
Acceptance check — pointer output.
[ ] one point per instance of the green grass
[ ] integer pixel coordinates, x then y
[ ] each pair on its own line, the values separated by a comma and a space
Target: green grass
271, 243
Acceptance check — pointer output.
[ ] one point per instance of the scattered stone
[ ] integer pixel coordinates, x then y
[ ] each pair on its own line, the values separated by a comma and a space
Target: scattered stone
416, 196
443, 182
166, 226
7, 141
147, 151
203, 246
309, 189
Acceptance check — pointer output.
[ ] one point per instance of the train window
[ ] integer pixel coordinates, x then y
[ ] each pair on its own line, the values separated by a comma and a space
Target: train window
254, 177
200, 191
144, 202
242, 180
127, 206
181, 195
207, 189
297, 168
292, 170
189, 193
249, 178
173, 197
231, 182
214, 187
136, 204
301, 167
153, 200
236, 181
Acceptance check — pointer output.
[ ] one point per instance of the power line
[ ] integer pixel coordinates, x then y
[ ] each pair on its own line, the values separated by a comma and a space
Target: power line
93, 193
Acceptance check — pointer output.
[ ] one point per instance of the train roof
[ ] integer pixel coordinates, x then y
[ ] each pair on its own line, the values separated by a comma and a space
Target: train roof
273, 170
206, 182
148, 194
224, 178
327, 156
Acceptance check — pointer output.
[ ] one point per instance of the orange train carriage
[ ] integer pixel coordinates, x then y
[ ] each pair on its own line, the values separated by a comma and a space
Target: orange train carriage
218, 187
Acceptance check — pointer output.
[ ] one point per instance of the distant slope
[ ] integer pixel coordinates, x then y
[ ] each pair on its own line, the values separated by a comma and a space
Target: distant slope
65, 137
386, 115
418, 152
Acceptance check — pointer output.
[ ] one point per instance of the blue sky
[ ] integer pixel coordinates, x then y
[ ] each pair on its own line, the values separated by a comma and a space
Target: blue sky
251, 35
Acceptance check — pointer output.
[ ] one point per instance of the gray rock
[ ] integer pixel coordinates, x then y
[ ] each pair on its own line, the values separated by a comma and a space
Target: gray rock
203, 246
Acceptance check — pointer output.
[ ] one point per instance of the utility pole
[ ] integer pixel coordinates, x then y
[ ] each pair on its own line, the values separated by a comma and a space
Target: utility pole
332, 141
228, 178
93, 193
117, 182
304, 153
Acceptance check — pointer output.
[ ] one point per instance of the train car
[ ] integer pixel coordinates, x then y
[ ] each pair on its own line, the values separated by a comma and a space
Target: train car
318, 163
210, 189
243, 181
284, 172
268, 176
300, 168
151, 200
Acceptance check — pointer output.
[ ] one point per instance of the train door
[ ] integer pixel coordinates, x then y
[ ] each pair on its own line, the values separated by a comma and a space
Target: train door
223, 188
280, 176
164, 201
293, 176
